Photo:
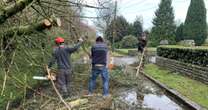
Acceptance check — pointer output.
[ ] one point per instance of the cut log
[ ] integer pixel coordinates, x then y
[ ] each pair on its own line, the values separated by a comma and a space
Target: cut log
78, 102
47, 23
11, 10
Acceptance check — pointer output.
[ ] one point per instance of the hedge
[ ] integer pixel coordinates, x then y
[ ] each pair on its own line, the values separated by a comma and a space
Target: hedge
192, 55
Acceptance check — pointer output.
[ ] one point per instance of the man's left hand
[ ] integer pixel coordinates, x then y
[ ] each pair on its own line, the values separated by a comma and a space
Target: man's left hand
80, 40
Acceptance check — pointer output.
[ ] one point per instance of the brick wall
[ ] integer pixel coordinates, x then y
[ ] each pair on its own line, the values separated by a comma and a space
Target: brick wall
193, 71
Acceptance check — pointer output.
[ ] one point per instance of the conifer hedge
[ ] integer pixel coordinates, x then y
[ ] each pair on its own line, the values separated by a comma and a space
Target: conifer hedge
192, 55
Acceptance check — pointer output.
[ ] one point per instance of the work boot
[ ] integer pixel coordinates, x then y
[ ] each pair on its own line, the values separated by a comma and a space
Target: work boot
107, 96
88, 95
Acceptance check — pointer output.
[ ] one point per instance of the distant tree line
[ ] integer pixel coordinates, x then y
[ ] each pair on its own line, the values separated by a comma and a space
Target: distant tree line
126, 33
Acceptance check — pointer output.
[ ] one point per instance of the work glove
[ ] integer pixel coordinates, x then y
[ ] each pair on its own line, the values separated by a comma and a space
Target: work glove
51, 77
80, 40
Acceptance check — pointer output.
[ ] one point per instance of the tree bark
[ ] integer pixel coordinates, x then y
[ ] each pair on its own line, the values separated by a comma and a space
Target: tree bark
28, 29
11, 10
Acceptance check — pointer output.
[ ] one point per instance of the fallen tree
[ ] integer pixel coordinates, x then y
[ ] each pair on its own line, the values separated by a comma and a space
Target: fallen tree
11, 10
9, 43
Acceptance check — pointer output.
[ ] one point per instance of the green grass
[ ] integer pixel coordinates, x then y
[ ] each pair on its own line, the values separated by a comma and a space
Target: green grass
184, 47
193, 90
120, 52
117, 54
124, 52
151, 49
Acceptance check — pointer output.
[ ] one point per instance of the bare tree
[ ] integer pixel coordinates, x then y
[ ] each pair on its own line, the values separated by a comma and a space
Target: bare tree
105, 15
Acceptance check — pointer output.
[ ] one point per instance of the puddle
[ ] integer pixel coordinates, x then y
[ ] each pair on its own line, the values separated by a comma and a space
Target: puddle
129, 98
157, 102
148, 101
119, 61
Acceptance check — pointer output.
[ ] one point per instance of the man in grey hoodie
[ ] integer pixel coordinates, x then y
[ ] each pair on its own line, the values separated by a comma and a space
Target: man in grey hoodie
61, 55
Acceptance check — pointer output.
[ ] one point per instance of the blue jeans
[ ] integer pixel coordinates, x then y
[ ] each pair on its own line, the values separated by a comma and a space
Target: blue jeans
105, 77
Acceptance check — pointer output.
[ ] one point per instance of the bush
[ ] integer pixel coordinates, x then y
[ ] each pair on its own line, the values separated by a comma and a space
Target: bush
118, 45
129, 42
132, 52
192, 55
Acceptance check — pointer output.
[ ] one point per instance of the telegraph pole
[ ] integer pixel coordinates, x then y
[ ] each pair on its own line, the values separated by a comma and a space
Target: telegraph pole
114, 25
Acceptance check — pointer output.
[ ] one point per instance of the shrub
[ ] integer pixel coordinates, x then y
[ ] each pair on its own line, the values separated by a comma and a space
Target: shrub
132, 52
129, 42
192, 55
118, 45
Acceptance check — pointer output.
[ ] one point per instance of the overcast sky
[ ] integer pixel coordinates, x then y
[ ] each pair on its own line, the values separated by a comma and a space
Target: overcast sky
145, 8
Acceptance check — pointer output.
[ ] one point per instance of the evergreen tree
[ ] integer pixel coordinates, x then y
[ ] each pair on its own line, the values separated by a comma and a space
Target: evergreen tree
121, 26
195, 27
164, 26
138, 28
130, 29
179, 33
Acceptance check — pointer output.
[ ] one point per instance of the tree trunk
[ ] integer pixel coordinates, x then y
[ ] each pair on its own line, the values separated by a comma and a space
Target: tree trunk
28, 29
9, 11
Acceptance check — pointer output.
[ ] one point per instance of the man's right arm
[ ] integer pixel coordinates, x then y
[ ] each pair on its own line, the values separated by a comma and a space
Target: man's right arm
76, 47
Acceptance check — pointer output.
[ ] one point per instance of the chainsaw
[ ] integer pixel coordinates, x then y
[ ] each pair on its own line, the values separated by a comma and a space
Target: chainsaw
51, 76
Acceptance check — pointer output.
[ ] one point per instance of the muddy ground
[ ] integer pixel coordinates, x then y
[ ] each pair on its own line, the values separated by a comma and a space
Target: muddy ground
127, 92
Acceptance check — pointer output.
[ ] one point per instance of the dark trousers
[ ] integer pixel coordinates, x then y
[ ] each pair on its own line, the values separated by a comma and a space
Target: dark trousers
141, 48
63, 80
